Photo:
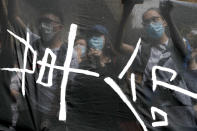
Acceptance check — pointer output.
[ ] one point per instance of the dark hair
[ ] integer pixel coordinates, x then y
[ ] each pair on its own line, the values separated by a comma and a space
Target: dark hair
159, 12
99, 30
154, 9
55, 12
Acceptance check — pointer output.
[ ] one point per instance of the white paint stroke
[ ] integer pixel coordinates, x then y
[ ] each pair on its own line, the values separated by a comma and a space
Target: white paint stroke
169, 86
66, 68
71, 39
117, 89
133, 87
12, 69
80, 71
85, 72
159, 123
129, 63
27, 47
43, 66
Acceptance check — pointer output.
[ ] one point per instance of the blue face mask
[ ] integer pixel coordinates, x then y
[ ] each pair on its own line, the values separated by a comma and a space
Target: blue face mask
155, 30
96, 43
83, 50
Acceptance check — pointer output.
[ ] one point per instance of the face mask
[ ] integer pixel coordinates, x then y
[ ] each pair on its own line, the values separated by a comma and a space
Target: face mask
83, 49
96, 43
47, 32
155, 30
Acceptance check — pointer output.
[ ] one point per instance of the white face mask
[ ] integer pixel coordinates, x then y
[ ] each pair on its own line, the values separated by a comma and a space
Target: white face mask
47, 32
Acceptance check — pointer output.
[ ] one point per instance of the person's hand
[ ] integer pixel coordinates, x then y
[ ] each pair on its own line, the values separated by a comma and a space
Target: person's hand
14, 93
94, 52
78, 50
166, 8
78, 53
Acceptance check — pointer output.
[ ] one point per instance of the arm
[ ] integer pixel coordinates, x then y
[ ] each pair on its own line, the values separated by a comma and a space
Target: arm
13, 13
127, 9
166, 7
127, 48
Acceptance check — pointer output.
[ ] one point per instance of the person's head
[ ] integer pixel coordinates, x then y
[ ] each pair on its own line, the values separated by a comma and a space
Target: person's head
154, 24
81, 44
192, 37
98, 41
50, 27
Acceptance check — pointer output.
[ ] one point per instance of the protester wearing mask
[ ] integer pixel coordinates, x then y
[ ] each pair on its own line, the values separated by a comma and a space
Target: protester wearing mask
51, 30
79, 54
160, 49
52, 36
99, 46
155, 28
80, 48
155, 25
91, 103
46, 100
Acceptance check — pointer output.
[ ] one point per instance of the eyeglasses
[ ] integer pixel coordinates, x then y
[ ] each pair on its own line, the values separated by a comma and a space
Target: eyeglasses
153, 19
